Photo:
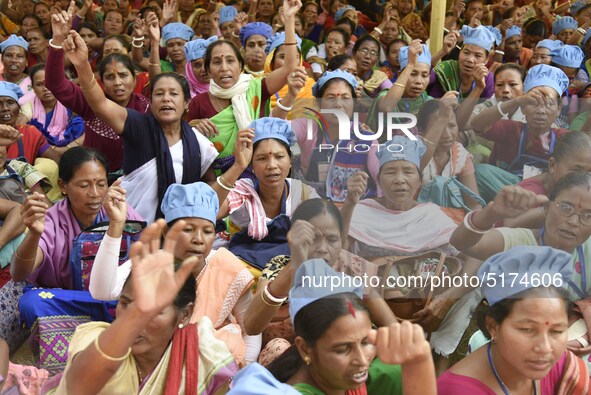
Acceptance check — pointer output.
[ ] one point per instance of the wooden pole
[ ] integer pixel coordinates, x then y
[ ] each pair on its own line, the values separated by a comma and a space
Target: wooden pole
438, 9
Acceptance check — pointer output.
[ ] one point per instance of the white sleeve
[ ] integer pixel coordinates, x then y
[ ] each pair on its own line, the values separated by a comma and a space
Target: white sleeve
253, 343
316, 68
208, 151
106, 277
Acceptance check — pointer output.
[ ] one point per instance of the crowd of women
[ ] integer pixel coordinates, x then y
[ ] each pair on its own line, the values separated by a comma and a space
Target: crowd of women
182, 213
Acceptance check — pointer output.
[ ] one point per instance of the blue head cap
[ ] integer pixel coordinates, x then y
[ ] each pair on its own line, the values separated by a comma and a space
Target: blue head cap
195, 200
196, 49
312, 273
329, 75
424, 57
550, 44
578, 6
568, 56
545, 75
273, 128
227, 14
255, 379
260, 28
10, 90
525, 261
480, 36
341, 11
513, 31
401, 148
279, 39
177, 30
14, 40
496, 33
567, 22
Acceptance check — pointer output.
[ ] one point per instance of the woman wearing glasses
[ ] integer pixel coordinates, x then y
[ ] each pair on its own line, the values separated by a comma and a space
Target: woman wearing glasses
366, 53
567, 227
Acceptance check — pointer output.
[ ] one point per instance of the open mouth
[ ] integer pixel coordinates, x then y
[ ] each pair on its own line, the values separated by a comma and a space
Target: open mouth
360, 377
94, 206
166, 109
273, 177
226, 78
6, 117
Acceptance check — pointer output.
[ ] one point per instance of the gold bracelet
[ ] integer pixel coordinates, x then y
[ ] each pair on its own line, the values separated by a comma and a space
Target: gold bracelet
153, 64
267, 303
107, 357
400, 85
90, 85
21, 258
287, 44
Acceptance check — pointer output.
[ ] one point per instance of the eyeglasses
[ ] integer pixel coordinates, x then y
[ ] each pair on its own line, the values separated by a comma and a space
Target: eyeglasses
567, 210
365, 51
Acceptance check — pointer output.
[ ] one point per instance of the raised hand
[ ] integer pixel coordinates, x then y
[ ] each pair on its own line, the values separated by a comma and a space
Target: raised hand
152, 26
76, 49
356, 186
205, 127
296, 81
400, 344
240, 20
480, 72
291, 7
61, 24
155, 282
115, 204
169, 10
450, 40
9, 135
414, 50
33, 213
514, 200
244, 147
300, 237
139, 28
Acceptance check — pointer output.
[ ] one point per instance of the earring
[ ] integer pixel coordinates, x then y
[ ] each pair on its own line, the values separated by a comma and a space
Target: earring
307, 361
181, 326
493, 340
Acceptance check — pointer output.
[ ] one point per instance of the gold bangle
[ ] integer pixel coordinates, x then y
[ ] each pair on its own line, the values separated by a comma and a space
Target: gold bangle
90, 85
267, 303
153, 64
23, 259
400, 85
287, 44
107, 357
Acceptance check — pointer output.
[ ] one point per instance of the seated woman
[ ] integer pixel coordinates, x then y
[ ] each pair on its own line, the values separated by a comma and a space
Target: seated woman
568, 59
160, 147
564, 28
175, 36
29, 144
260, 211
151, 348
253, 37
526, 147
397, 225
234, 99
508, 85
319, 169
391, 66
118, 76
449, 158
223, 283
561, 229
337, 42
14, 59
527, 328
543, 52
461, 75
333, 350
276, 52
367, 53
59, 125
512, 46
48, 256
195, 69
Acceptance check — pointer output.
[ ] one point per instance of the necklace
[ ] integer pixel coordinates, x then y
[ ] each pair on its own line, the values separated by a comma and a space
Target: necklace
497, 377
219, 106
201, 273
139, 373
